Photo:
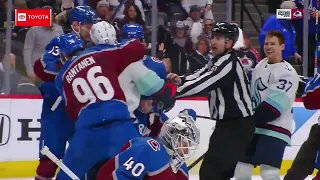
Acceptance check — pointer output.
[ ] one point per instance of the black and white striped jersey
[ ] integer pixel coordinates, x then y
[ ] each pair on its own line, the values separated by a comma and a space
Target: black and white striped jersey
227, 85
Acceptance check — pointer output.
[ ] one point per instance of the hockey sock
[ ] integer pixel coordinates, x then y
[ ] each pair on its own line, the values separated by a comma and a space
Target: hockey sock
243, 171
46, 169
317, 177
269, 173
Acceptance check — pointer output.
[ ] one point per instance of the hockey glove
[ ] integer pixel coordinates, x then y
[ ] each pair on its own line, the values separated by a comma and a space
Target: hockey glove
165, 98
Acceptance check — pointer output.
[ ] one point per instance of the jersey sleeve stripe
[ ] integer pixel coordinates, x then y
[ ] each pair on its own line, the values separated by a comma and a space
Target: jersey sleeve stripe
279, 101
204, 81
44, 67
116, 165
154, 173
143, 82
197, 73
272, 108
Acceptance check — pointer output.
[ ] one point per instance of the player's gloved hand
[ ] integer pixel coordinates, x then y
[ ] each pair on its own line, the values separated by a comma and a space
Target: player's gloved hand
165, 98
190, 112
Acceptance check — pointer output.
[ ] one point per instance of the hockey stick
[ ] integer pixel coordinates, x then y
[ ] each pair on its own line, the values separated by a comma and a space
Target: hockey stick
195, 162
205, 117
45, 151
316, 39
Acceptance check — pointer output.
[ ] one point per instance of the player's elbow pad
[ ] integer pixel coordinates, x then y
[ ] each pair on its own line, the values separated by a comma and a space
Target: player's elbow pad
311, 100
265, 113
165, 98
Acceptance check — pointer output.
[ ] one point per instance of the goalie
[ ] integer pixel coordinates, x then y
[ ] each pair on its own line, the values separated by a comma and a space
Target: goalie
147, 158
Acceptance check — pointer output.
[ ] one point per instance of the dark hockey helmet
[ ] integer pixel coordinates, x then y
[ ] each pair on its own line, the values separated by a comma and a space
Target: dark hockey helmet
229, 30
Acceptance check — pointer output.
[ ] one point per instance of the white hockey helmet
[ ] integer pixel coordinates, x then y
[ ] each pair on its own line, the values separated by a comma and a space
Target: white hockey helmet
103, 33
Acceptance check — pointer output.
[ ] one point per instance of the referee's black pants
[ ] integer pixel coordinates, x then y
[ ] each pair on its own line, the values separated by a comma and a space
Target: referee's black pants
228, 144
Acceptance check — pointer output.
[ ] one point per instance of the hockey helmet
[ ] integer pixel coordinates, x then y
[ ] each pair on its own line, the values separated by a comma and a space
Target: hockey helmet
103, 33
229, 30
83, 14
132, 31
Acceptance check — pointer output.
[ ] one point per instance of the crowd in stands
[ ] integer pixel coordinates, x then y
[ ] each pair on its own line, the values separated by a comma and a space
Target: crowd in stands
183, 34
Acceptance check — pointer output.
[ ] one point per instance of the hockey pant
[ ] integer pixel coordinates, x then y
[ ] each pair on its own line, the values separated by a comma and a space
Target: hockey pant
91, 145
304, 163
265, 150
56, 130
228, 144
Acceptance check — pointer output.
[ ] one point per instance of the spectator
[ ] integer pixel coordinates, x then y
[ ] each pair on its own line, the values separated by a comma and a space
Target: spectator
167, 64
201, 29
14, 76
67, 4
132, 16
194, 16
286, 27
3, 14
311, 35
205, 6
122, 11
207, 26
200, 55
177, 47
249, 56
103, 9
36, 40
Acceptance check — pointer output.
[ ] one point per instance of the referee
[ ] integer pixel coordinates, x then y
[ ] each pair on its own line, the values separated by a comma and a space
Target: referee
227, 85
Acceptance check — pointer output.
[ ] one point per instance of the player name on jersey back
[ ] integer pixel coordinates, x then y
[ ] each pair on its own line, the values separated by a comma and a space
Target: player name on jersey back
78, 67
89, 83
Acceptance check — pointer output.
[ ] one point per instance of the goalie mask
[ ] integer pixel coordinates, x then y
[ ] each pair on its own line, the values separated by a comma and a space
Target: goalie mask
181, 136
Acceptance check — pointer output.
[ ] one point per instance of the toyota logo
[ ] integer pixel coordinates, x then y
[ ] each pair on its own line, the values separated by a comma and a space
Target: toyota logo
5, 126
22, 16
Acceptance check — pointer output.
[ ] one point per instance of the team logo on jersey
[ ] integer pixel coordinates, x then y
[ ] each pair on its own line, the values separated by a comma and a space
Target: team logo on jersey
257, 87
156, 60
154, 144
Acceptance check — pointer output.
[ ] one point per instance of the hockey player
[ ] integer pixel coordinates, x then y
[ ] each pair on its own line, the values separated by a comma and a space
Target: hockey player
56, 127
82, 18
307, 157
148, 109
147, 158
273, 93
53, 115
89, 84
141, 114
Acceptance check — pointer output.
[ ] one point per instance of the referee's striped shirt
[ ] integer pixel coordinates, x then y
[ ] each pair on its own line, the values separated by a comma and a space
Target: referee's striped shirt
227, 86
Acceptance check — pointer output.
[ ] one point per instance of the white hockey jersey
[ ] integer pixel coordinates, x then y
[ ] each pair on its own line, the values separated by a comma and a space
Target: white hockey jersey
275, 84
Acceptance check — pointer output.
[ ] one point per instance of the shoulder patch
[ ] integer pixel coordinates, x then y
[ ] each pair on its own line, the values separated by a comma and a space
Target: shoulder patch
154, 144
156, 60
